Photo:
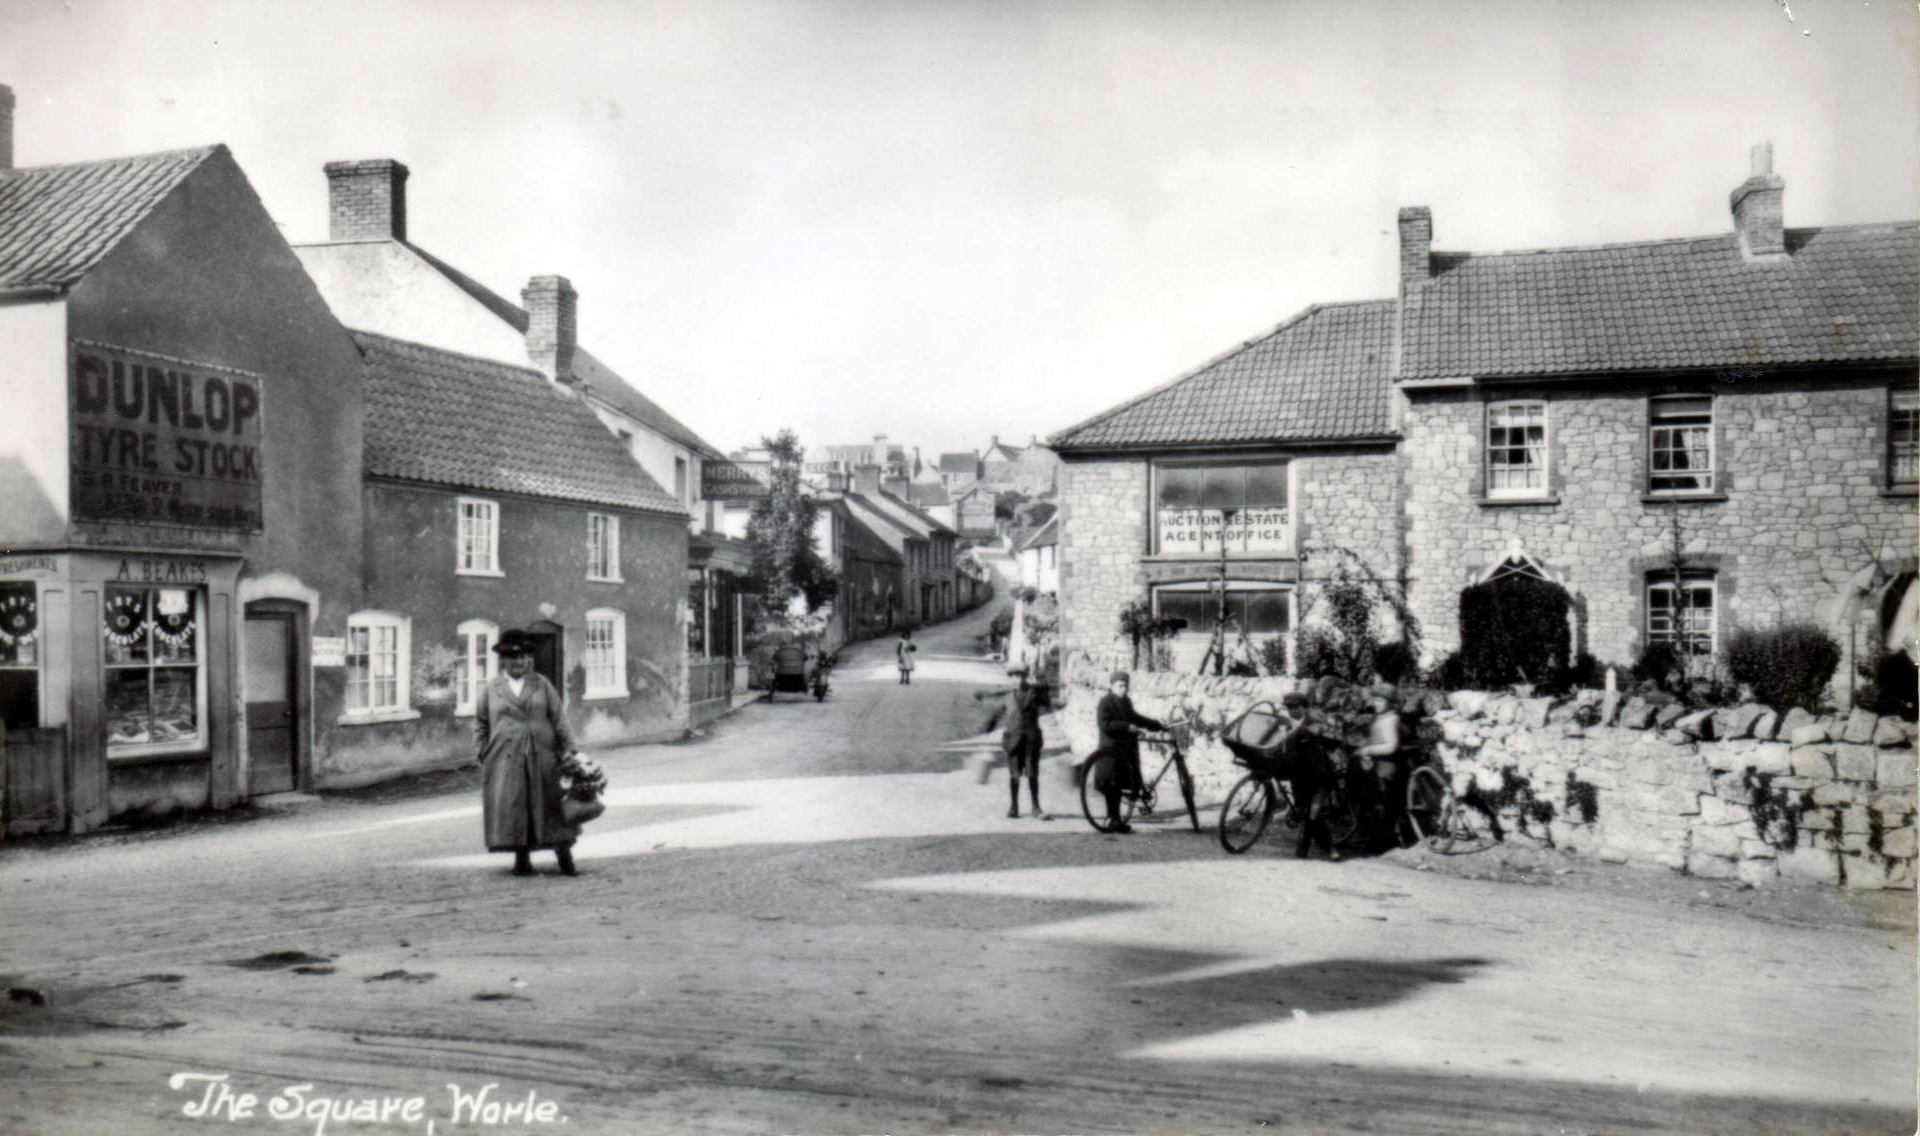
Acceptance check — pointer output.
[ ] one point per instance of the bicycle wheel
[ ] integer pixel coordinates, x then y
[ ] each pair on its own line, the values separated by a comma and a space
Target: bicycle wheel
1244, 817
1337, 812
1093, 802
1429, 800
1186, 790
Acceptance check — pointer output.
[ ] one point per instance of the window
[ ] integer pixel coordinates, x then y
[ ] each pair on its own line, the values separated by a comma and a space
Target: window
1682, 615
1245, 504
606, 658
1517, 449
478, 663
378, 650
1903, 437
1262, 611
1680, 445
19, 656
479, 537
603, 547
156, 692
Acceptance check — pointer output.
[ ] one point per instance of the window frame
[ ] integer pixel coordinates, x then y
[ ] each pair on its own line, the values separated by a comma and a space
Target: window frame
1206, 551
617, 688
1205, 588
402, 708
603, 544
1895, 444
461, 544
37, 637
1692, 580
1711, 472
487, 633
201, 740
1545, 448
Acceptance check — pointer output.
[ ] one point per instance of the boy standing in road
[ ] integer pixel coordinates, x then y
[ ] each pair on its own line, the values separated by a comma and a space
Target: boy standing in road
1020, 737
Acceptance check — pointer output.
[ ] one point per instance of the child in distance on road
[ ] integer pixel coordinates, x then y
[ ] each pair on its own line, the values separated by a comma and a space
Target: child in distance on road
903, 654
1020, 737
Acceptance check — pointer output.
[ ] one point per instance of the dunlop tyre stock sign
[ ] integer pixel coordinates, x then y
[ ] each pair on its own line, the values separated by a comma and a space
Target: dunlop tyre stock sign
163, 441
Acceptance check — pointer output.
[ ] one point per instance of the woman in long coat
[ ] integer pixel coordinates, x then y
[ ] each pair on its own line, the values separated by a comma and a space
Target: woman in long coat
520, 732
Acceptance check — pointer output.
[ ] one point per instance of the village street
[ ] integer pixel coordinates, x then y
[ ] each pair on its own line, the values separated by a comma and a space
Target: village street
816, 919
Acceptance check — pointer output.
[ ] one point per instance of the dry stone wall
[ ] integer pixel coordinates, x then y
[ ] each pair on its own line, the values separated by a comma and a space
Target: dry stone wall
1730, 793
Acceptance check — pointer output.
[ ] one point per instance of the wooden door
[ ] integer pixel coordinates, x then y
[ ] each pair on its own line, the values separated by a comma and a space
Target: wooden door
272, 703
546, 658
34, 798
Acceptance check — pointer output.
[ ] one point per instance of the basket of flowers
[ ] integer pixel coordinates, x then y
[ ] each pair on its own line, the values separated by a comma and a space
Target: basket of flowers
581, 783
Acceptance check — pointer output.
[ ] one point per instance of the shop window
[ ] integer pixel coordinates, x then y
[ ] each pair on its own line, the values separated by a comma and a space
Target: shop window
606, 656
1517, 449
1261, 612
478, 663
603, 547
1903, 437
156, 691
479, 537
378, 649
20, 642
1682, 614
1197, 506
1680, 445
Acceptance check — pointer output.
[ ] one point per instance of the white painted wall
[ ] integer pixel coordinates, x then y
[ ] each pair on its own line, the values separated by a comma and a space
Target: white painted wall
33, 388
386, 288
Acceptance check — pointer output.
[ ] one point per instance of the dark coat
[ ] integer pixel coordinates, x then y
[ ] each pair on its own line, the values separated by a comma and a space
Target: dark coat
521, 742
1118, 719
1024, 706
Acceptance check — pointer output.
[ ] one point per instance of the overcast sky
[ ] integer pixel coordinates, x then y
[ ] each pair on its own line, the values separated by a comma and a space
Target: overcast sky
943, 221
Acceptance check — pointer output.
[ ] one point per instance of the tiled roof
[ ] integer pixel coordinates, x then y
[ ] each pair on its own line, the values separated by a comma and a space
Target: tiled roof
1043, 536
968, 464
603, 381
455, 420
1843, 294
1320, 375
922, 524
58, 222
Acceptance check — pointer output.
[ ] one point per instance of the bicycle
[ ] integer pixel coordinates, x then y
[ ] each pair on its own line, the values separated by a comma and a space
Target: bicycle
1253, 801
1093, 802
1440, 819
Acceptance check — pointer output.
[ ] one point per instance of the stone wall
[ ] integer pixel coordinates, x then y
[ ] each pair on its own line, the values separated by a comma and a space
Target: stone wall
1733, 793
1799, 521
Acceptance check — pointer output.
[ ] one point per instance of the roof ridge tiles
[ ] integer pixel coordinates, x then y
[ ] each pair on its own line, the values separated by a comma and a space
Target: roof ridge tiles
1699, 238
179, 152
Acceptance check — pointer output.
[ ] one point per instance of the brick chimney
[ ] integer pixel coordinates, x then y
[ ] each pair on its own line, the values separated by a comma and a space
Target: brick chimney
366, 201
1759, 214
866, 480
898, 486
6, 128
552, 324
1416, 246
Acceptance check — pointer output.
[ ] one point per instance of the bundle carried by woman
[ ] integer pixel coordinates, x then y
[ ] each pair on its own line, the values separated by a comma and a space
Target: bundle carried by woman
581, 783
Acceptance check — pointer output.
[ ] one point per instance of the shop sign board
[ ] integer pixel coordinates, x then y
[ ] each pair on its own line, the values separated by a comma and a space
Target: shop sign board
329, 651
735, 480
163, 441
1201, 531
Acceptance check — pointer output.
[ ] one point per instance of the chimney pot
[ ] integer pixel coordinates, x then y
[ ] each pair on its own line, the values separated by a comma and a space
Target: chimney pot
552, 323
1416, 246
6, 128
1759, 207
366, 201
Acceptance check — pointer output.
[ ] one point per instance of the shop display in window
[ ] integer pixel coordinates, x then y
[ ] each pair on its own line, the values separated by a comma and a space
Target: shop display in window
153, 679
19, 656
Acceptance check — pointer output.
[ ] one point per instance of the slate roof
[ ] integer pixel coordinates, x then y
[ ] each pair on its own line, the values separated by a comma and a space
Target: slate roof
1841, 295
446, 419
1046, 534
1321, 375
605, 383
968, 464
57, 223
860, 539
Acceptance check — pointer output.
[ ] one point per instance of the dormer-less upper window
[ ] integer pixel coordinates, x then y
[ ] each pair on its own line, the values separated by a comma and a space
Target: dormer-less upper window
1680, 445
1517, 449
479, 538
1903, 437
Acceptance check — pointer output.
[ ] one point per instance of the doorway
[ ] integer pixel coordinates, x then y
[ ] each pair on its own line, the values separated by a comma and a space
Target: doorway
548, 658
273, 702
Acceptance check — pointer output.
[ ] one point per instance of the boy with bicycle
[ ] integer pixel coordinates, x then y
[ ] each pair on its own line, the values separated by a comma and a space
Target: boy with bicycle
1120, 725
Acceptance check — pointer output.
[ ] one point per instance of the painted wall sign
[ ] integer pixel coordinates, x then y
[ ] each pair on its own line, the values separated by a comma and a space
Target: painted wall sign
735, 480
29, 566
161, 441
329, 652
1200, 531
147, 570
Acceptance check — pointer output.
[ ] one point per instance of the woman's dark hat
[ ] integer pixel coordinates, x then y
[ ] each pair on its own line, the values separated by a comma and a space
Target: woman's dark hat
514, 643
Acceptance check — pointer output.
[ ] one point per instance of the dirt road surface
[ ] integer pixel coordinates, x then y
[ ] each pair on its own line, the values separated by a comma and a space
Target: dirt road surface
816, 919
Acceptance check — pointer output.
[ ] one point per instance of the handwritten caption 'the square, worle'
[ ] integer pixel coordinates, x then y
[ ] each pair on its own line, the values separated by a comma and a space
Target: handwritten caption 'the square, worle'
212, 1096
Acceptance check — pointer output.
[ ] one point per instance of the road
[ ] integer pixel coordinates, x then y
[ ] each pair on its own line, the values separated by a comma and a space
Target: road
815, 919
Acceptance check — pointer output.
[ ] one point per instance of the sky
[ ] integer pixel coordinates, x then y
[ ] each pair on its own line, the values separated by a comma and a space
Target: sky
946, 221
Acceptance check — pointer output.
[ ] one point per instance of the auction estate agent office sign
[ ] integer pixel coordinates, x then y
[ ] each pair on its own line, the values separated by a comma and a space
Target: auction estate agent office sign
163, 441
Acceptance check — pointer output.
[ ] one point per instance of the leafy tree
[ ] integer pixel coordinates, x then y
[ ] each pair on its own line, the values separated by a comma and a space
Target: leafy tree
786, 561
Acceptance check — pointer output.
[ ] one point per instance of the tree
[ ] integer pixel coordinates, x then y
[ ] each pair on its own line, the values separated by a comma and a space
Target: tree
786, 561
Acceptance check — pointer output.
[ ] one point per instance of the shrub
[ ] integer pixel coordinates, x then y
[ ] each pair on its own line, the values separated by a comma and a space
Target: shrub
1786, 666
1319, 653
1889, 688
1660, 665
1273, 656
1395, 662
1514, 629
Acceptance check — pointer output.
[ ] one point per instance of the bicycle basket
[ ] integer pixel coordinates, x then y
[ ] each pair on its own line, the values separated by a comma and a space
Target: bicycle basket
1258, 737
